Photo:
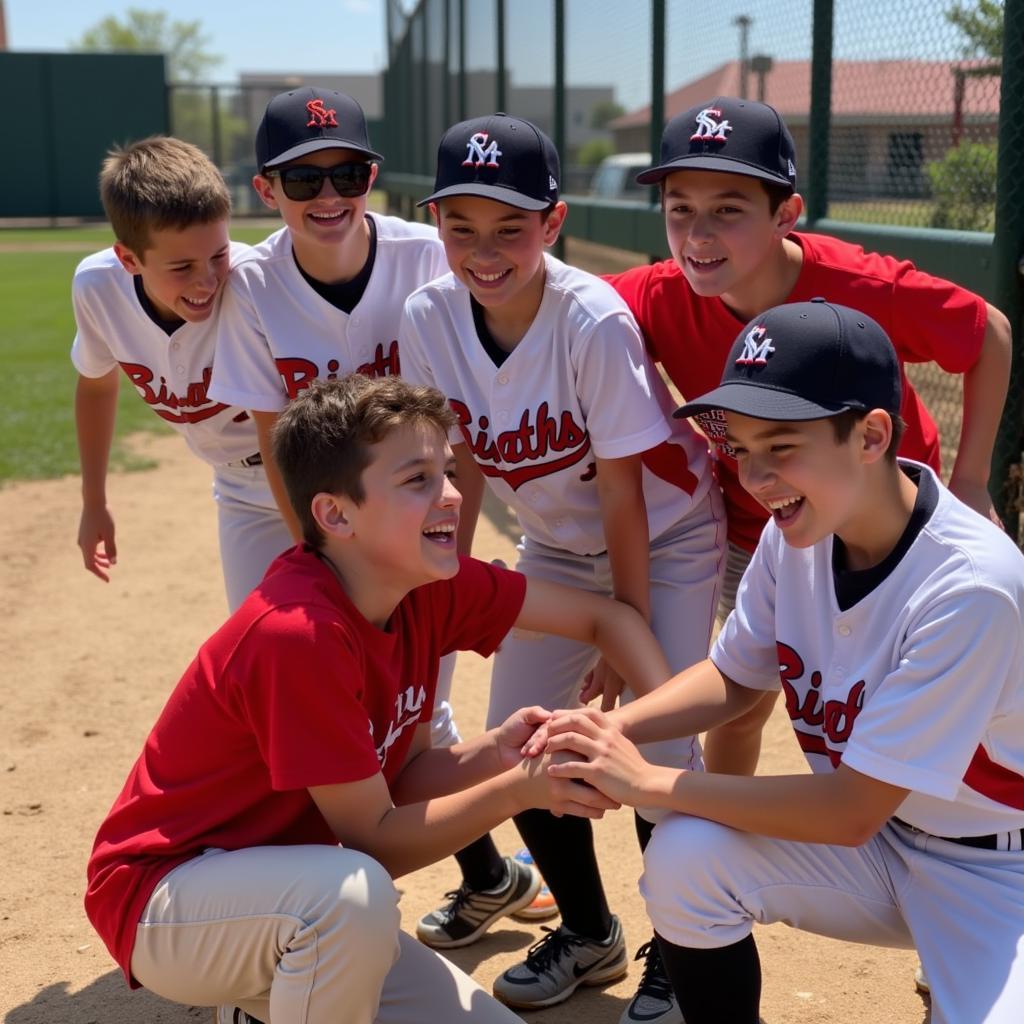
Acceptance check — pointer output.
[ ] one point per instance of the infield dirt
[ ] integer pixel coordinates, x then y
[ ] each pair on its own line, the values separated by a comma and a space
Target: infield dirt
86, 668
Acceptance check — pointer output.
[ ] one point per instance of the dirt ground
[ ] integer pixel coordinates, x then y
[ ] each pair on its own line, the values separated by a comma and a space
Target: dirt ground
85, 670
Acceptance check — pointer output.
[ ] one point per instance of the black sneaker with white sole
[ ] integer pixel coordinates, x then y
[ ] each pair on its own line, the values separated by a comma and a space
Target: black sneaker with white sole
654, 1002
470, 912
557, 965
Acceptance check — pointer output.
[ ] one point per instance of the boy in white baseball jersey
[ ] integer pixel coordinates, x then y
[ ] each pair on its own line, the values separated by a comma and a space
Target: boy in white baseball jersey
149, 306
322, 298
890, 614
561, 412
248, 861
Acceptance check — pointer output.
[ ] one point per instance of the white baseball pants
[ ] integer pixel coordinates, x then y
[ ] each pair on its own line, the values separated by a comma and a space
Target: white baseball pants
962, 909
297, 935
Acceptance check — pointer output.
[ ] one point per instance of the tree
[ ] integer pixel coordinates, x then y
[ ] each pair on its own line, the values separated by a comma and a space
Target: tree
593, 152
982, 24
182, 42
964, 187
603, 112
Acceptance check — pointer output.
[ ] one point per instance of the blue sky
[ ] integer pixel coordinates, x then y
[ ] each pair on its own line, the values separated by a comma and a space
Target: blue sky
254, 35
348, 35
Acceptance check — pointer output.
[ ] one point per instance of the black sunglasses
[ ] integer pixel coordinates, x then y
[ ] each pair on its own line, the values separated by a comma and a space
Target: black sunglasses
302, 182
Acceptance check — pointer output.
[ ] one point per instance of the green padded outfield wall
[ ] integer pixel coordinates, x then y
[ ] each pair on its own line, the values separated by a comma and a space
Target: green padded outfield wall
60, 113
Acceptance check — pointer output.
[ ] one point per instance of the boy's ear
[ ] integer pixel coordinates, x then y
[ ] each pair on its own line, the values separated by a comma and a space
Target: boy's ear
265, 190
788, 214
553, 222
435, 213
128, 259
876, 431
330, 513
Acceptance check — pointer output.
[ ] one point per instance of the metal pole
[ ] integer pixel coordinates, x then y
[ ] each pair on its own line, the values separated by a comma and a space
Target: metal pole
463, 105
423, 115
501, 92
215, 132
816, 178
744, 22
1008, 250
658, 36
559, 112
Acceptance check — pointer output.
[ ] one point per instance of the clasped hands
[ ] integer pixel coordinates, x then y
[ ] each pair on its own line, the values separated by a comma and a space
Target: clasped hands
573, 761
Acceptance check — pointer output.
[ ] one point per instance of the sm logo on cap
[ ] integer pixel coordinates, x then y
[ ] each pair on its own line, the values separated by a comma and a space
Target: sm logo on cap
480, 152
757, 347
321, 117
711, 127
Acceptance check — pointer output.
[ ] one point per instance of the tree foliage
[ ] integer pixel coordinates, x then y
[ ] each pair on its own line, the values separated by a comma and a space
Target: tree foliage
982, 23
182, 42
964, 187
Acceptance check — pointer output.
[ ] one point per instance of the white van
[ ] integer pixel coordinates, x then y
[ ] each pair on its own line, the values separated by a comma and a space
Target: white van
615, 177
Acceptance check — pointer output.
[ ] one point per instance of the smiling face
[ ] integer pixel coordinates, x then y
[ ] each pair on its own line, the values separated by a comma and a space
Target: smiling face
404, 528
497, 251
811, 483
182, 269
327, 220
723, 235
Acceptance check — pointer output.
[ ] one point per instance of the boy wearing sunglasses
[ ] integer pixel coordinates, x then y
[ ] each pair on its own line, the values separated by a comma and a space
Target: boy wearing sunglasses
321, 298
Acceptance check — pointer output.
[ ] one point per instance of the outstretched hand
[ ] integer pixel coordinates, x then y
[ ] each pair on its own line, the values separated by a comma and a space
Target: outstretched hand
562, 794
96, 541
603, 681
516, 732
585, 744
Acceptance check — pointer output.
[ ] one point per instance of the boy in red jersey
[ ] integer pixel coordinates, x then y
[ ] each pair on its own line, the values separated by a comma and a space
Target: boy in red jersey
728, 177
304, 722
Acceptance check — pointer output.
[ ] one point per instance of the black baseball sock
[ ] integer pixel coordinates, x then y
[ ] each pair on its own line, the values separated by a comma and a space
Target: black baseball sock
563, 850
482, 865
715, 985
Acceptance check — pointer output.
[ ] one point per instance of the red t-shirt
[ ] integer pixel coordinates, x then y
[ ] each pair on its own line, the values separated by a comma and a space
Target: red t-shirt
296, 689
927, 318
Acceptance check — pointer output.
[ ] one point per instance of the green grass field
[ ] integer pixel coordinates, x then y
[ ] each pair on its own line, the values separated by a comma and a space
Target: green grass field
37, 326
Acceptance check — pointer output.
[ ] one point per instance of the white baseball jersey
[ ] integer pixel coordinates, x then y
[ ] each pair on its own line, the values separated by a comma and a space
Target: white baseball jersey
578, 385
171, 373
919, 684
277, 334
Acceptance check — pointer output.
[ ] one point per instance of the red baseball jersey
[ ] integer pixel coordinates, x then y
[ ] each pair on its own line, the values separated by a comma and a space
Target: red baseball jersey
927, 318
297, 689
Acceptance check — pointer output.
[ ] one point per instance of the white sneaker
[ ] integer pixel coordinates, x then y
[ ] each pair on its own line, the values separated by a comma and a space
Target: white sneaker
557, 965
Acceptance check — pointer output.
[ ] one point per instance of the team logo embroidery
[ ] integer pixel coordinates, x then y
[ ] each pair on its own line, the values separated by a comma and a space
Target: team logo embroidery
552, 184
480, 152
320, 116
710, 126
790, 169
757, 347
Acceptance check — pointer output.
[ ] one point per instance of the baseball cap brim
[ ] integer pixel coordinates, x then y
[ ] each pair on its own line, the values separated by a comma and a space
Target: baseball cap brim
701, 162
759, 402
314, 146
499, 193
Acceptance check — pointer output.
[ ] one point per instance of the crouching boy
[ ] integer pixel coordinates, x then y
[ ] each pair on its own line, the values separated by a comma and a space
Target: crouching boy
303, 723
889, 614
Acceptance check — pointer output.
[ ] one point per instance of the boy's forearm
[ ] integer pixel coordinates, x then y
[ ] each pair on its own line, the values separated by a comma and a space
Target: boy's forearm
414, 835
842, 807
984, 392
439, 771
625, 518
697, 699
95, 414
264, 426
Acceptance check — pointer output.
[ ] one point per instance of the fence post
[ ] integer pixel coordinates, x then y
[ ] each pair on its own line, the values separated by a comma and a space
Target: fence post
657, 85
216, 139
501, 96
1008, 251
816, 190
463, 106
559, 111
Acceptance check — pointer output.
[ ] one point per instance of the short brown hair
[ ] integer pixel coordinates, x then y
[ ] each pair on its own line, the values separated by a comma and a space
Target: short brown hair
777, 194
844, 422
322, 440
159, 183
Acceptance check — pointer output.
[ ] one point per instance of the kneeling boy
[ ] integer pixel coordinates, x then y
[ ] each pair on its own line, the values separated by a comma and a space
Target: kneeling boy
304, 722
890, 615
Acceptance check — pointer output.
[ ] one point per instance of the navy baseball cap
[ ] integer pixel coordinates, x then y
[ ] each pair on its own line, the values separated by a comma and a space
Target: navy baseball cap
307, 120
497, 157
727, 134
806, 361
